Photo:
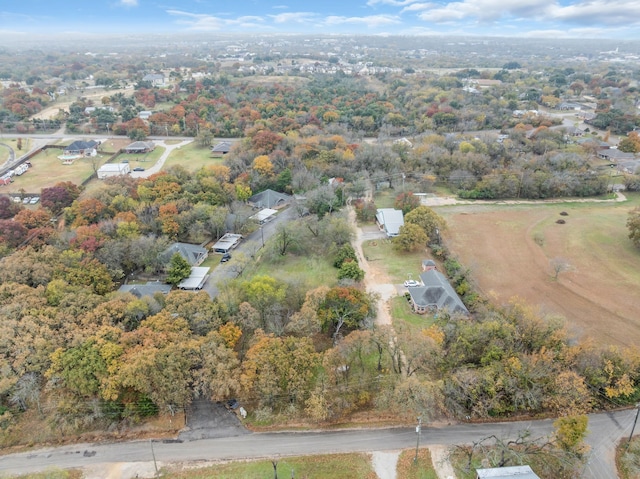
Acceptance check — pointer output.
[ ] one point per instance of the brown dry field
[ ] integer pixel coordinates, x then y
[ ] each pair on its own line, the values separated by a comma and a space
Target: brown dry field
599, 295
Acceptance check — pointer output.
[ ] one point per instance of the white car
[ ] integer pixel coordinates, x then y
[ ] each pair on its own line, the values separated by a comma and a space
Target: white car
34, 200
411, 283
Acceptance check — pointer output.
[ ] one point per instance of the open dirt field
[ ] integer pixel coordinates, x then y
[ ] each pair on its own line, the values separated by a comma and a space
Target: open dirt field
509, 250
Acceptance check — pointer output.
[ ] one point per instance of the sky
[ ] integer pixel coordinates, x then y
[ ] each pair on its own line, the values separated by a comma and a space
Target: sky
615, 19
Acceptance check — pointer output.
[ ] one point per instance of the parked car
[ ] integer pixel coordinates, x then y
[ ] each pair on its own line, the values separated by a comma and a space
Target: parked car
34, 200
26, 200
138, 168
225, 257
411, 283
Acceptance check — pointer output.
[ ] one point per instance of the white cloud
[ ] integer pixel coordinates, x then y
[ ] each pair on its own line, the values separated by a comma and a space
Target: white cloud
129, 3
417, 7
395, 3
607, 12
294, 17
204, 22
485, 10
370, 21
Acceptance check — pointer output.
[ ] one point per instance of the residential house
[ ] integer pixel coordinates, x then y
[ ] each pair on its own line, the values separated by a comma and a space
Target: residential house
221, 148
145, 114
193, 253
149, 289
80, 147
140, 147
156, 79
513, 472
613, 154
435, 294
269, 199
390, 220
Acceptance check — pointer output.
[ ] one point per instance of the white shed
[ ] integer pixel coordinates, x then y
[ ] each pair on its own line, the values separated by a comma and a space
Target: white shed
113, 169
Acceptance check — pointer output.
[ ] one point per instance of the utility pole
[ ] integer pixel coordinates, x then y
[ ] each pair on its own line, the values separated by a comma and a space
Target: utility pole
634, 424
262, 235
155, 465
418, 432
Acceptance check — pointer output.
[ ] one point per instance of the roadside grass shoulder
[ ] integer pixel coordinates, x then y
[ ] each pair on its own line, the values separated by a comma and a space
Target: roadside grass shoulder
628, 458
408, 468
353, 466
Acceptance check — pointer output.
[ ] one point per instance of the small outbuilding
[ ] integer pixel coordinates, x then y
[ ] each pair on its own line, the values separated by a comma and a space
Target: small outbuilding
227, 243
221, 148
390, 220
263, 216
113, 169
196, 280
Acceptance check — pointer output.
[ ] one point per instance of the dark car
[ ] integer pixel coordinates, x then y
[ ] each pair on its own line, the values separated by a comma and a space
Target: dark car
225, 257
138, 168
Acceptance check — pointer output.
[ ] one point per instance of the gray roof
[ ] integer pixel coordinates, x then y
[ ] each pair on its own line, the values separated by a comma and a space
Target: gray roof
80, 145
437, 292
141, 145
615, 154
149, 289
193, 253
391, 219
222, 147
519, 472
269, 199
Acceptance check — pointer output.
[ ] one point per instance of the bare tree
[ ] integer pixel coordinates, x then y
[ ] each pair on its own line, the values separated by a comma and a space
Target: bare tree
559, 265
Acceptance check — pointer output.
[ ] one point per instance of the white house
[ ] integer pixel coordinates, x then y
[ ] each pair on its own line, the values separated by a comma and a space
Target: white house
113, 169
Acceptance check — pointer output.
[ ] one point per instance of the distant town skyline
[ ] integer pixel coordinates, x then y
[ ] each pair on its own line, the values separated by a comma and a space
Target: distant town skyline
614, 19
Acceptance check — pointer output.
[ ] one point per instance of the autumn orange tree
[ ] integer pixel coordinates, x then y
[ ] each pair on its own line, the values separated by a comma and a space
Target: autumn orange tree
344, 307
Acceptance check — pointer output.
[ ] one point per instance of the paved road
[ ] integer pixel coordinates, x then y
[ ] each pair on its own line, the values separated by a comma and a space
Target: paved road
605, 430
249, 246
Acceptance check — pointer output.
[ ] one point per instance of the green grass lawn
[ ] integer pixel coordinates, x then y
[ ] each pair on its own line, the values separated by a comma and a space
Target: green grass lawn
13, 143
192, 157
48, 170
353, 466
314, 271
403, 315
144, 160
399, 265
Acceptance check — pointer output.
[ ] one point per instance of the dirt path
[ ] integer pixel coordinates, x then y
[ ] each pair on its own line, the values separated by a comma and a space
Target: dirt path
375, 280
441, 463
